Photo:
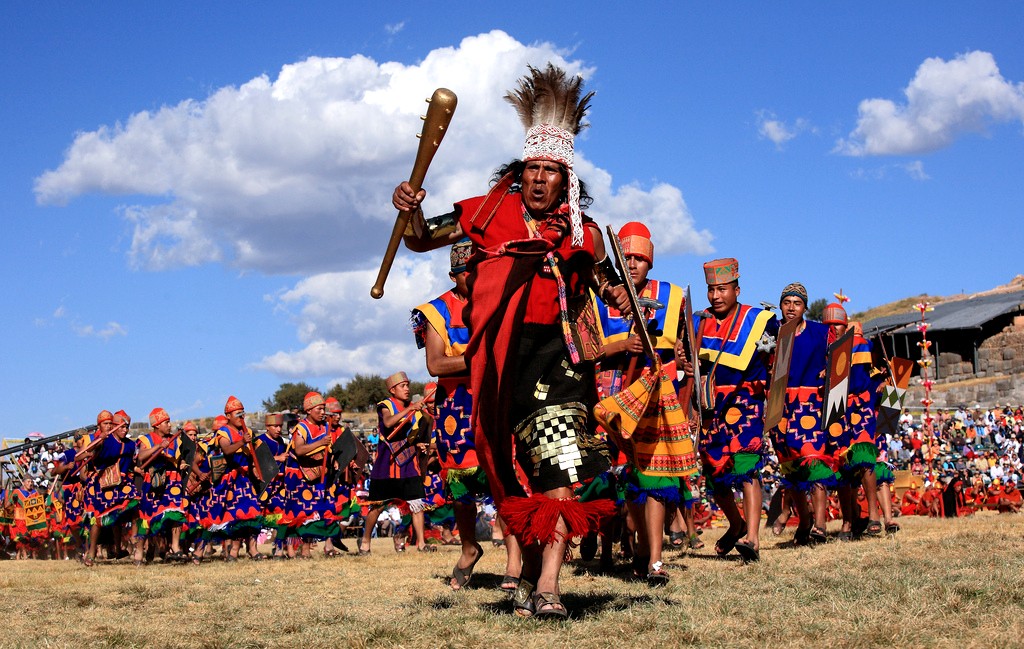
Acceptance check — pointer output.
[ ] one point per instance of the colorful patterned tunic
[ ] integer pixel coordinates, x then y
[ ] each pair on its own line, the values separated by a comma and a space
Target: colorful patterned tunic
203, 509
115, 502
73, 494
857, 447
396, 470
734, 368
240, 514
799, 440
163, 495
274, 498
30, 522
461, 474
309, 510
659, 447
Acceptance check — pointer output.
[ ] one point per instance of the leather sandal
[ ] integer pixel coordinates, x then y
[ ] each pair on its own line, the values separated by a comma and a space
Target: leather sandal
728, 541
509, 583
657, 576
462, 575
747, 550
677, 539
802, 536
556, 610
817, 535
522, 599
874, 528
639, 566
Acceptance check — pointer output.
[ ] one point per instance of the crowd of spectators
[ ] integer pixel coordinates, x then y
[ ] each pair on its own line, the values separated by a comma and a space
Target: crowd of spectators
982, 445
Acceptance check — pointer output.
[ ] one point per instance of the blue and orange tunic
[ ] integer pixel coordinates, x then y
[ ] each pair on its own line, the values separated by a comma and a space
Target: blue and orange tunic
165, 504
799, 441
858, 447
453, 430
73, 495
275, 497
734, 368
202, 506
119, 500
309, 510
240, 515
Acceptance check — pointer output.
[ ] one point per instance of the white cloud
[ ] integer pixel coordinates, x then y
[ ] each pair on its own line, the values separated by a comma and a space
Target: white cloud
166, 236
914, 169
196, 406
106, 333
394, 28
944, 100
268, 175
769, 127
346, 332
775, 131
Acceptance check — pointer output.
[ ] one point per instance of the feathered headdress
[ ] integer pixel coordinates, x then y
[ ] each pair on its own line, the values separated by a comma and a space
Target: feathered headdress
551, 107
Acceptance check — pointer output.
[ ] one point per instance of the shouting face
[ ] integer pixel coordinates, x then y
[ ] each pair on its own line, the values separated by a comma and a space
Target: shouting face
543, 186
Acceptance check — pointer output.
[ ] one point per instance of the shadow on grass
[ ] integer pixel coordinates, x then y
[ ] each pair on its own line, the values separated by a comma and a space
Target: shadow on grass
583, 606
623, 571
479, 581
734, 557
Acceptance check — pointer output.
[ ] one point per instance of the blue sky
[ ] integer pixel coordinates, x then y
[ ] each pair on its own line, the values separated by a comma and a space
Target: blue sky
195, 195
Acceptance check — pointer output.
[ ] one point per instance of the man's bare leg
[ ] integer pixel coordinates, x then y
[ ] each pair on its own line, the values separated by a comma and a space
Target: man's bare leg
465, 522
752, 510
371, 522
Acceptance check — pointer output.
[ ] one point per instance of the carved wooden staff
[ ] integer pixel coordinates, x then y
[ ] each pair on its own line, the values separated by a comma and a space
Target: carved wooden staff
435, 125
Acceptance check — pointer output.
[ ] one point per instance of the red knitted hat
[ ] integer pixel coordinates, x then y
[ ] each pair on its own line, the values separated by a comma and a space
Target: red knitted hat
636, 240
158, 416
232, 405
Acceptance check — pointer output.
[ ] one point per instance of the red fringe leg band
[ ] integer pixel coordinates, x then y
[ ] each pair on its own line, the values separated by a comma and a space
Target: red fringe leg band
535, 519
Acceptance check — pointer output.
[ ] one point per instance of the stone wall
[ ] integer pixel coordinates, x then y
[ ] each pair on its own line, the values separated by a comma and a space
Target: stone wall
999, 380
1003, 353
986, 392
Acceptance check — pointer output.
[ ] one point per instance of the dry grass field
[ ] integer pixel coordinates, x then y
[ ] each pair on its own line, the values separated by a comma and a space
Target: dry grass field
957, 583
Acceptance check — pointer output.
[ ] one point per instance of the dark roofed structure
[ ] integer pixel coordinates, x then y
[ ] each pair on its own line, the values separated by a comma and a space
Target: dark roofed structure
955, 328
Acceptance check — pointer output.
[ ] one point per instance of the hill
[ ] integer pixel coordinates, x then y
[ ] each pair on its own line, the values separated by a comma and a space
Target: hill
907, 303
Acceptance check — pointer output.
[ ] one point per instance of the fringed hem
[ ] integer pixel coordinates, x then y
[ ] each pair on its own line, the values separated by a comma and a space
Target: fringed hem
666, 495
318, 530
884, 474
535, 519
861, 455
155, 525
732, 480
831, 482
243, 529
115, 514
